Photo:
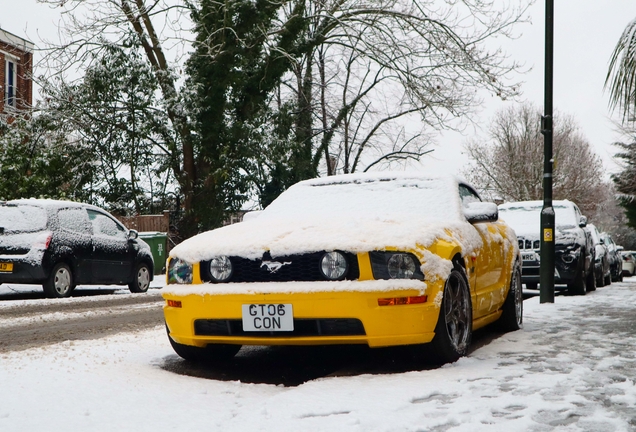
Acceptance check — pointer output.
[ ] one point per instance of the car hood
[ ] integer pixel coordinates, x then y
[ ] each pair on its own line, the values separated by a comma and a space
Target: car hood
289, 236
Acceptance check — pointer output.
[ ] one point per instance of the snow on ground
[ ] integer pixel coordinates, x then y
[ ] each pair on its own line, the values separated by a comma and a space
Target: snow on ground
572, 368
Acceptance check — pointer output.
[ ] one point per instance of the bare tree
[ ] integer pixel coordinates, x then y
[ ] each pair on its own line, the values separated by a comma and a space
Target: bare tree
509, 165
382, 74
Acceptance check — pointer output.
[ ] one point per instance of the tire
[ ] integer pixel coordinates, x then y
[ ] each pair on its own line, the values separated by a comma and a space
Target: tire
141, 279
579, 286
210, 354
454, 328
512, 316
608, 279
591, 280
60, 282
600, 280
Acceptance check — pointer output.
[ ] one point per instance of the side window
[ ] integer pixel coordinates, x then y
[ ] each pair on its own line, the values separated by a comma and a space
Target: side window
467, 195
105, 226
74, 220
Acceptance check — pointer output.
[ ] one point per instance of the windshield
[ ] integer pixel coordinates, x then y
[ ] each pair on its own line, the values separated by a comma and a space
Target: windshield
435, 199
22, 218
530, 215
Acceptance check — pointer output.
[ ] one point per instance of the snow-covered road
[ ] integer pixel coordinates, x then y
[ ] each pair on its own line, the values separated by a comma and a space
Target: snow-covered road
572, 368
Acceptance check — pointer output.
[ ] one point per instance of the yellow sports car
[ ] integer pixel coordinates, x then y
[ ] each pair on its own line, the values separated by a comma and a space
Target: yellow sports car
380, 259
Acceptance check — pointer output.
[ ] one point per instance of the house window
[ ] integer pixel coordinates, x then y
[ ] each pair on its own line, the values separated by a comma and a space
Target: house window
10, 82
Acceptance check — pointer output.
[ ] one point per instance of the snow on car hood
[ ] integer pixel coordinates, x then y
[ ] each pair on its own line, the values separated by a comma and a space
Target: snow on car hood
356, 213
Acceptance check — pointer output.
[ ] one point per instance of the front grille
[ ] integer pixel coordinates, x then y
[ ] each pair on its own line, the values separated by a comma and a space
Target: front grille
529, 244
302, 327
293, 268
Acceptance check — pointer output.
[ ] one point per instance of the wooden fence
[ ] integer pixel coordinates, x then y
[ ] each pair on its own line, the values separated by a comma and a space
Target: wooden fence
157, 223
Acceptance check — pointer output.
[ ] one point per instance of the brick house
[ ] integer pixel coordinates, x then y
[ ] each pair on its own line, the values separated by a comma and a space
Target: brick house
16, 68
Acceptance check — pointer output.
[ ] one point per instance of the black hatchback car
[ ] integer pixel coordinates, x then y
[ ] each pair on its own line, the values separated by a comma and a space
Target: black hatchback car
61, 244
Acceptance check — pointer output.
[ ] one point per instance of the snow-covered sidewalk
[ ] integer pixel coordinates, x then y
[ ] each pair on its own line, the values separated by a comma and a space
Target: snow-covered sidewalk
572, 368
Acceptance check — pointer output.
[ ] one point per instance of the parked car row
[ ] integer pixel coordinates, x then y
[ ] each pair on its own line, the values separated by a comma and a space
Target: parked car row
380, 259
584, 257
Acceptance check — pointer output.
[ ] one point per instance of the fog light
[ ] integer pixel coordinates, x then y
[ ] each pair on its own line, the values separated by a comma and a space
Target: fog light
333, 265
221, 269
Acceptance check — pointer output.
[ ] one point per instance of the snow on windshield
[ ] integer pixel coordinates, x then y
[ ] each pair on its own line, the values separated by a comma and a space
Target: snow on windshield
525, 216
23, 218
356, 213
362, 197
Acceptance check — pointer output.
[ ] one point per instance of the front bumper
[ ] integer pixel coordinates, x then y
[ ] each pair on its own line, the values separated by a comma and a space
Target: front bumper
311, 302
566, 268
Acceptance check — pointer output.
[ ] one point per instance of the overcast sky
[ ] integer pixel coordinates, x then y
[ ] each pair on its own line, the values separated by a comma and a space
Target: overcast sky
586, 32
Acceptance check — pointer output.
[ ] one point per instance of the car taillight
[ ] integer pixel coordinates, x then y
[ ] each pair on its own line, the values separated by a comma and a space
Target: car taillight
43, 241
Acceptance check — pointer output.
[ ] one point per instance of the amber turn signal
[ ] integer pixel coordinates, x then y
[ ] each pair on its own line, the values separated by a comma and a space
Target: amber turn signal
174, 303
395, 301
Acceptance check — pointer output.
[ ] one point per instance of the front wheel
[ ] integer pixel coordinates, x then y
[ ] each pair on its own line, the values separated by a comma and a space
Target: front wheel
454, 328
141, 279
591, 280
579, 286
60, 282
512, 316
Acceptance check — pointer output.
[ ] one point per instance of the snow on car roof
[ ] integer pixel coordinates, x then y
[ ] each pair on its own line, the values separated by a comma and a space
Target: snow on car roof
42, 202
357, 213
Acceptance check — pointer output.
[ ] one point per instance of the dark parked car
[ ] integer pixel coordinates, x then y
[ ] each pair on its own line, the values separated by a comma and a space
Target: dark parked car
615, 259
602, 269
574, 247
61, 244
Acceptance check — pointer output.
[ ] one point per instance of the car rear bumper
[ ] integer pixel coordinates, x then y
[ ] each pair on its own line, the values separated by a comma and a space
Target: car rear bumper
27, 269
323, 316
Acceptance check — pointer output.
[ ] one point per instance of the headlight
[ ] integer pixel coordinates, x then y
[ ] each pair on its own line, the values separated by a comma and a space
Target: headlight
179, 272
333, 265
401, 266
395, 265
221, 269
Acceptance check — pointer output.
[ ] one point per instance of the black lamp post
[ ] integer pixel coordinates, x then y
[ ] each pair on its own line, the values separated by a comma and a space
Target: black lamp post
546, 279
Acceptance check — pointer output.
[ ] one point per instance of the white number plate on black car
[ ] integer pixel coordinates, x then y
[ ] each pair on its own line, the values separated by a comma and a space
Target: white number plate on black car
529, 256
268, 317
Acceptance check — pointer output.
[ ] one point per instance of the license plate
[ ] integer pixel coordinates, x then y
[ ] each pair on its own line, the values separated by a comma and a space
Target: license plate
268, 317
6, 267
529, 256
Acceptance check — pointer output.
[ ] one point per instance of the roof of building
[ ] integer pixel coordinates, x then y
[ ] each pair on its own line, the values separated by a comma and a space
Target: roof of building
16, 41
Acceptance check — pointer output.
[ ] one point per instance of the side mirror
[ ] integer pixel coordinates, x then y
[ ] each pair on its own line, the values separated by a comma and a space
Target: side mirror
583, 222
132, 234
252, 215
476, 212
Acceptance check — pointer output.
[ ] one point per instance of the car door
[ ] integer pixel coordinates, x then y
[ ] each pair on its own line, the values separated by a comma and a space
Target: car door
487, 266
74, 239
111, 249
